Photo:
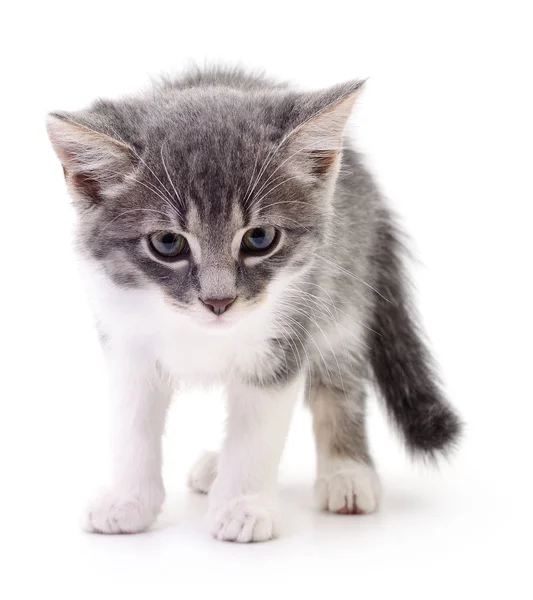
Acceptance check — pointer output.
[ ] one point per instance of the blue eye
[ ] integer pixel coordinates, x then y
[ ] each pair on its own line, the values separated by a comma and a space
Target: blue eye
168, 244
259, 239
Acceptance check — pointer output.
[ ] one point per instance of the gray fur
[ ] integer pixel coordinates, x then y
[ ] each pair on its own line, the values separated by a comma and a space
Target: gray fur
347, 320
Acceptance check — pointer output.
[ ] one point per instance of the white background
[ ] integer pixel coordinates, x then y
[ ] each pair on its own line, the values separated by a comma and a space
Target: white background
446, 122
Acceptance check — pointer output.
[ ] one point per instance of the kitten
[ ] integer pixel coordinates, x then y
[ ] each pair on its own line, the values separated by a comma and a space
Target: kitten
228, 233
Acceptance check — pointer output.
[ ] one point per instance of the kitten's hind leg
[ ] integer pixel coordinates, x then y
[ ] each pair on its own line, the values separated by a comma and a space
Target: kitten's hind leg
346, 480
203, 472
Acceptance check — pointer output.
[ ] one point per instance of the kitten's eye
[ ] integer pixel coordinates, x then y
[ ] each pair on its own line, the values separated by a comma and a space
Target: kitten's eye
259, 239
168, 244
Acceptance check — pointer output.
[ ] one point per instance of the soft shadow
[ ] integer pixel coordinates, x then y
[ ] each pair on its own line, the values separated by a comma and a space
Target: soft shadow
187, 507
396, 501
301, 518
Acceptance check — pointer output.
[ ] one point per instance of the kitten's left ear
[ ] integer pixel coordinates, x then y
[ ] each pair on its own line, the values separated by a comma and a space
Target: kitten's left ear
316, 142
94, 163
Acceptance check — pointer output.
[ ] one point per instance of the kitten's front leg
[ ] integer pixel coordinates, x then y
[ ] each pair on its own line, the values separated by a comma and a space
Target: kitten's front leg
140, 397
243, 504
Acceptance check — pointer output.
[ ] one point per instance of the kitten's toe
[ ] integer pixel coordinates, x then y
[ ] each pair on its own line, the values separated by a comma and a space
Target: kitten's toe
351, 488
245, 519
203, 472
120, 512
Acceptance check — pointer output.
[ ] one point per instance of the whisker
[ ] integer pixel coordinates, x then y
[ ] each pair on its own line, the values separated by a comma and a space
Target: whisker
256, 201
286, 202
121, 215
168, 176
300, 311
359, 322
308, 333
310, 147
141, 159
336, 321
339, 331
351, 275
268, 159
291, 344
150, 188
284, 217
302, 342
273, 152
245, 198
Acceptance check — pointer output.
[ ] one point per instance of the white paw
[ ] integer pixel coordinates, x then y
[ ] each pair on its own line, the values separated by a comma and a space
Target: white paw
348, 487
203, 473
245, 519
122, 512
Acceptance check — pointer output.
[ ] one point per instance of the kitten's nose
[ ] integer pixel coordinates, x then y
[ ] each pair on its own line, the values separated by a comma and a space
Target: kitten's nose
218, 305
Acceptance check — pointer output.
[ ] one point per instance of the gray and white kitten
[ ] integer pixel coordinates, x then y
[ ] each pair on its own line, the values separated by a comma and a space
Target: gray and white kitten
228, 234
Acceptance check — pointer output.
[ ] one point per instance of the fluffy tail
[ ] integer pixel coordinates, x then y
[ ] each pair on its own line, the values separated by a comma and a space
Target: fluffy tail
400, 360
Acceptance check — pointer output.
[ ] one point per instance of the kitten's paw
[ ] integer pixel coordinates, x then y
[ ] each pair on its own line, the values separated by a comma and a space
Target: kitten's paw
245, 519
348, 488
122, 512
203, 473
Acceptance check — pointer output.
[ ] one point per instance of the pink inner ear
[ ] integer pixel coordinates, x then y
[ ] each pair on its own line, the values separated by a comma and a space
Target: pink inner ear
318, 141
321, 161
86, 185
92, 161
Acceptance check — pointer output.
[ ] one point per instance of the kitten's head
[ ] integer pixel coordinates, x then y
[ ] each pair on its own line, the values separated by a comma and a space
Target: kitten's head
211, 196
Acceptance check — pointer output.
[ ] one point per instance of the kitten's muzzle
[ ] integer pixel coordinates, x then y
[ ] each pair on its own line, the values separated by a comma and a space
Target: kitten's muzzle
218, 305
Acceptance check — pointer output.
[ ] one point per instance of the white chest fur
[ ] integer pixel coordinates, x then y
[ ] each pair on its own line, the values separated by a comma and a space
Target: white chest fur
187, 351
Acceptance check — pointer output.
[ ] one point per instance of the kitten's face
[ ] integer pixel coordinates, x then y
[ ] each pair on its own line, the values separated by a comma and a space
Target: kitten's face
215, 206
210, 229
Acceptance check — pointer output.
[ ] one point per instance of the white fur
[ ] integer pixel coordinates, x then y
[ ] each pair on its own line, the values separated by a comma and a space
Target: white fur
123, 511
151, 349
140, 397
345, 485
244, 519
187, 347
243, 499
203, 473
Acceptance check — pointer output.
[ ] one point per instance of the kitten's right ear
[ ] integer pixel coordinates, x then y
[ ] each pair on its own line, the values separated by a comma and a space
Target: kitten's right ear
95, 164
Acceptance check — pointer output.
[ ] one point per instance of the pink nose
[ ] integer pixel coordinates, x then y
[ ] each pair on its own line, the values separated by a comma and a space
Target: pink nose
218, 305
